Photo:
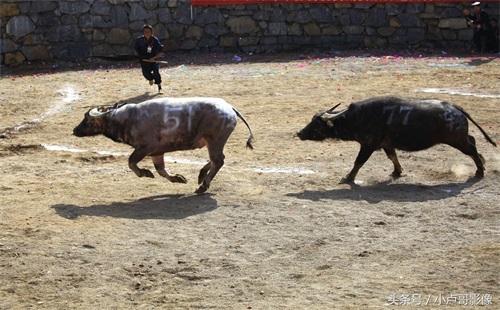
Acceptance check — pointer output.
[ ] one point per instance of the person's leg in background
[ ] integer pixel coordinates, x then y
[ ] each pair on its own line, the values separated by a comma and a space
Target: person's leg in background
146, 71
156, 74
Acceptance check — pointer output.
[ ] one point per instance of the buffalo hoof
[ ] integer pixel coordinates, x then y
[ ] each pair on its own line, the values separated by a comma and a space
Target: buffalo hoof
177, 179
146, 173
479, 173
396, 174
346, 180
201, 189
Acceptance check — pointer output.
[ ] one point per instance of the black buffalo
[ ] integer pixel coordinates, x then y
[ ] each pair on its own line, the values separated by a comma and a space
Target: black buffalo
391, 123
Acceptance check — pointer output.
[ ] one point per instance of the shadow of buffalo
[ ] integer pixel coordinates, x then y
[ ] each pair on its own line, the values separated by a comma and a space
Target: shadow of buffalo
171, 207
389, 192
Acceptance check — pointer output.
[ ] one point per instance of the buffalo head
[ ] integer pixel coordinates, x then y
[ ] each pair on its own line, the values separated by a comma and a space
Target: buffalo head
93, 122
321, 126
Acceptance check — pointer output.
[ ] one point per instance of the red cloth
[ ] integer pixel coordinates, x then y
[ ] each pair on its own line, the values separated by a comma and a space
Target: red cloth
225, 2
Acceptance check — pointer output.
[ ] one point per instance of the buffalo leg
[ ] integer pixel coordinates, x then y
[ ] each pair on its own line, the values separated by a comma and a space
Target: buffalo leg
391, 153
160, 168
363, 155
136, 156
216, 162
204, 172
470, 149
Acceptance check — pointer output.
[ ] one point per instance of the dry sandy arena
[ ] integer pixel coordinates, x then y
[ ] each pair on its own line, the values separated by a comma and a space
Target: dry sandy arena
79, 230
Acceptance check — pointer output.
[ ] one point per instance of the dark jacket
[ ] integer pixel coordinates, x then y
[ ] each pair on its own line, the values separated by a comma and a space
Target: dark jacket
481, 21
141, 46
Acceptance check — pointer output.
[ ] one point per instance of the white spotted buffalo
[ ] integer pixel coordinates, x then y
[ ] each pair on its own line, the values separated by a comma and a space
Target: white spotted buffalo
158, 126
391, 123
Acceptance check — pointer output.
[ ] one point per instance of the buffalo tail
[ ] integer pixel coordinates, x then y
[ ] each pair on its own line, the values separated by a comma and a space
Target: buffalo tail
250, 138
474, 122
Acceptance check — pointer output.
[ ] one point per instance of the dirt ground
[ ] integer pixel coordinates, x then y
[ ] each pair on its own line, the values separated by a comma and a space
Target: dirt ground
78, 229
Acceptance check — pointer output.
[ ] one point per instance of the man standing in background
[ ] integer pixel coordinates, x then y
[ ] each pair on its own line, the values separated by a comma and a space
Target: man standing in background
149, 48
480, 21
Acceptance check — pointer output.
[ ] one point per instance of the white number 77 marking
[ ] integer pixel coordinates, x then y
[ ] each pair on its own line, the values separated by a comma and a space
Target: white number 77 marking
404, 110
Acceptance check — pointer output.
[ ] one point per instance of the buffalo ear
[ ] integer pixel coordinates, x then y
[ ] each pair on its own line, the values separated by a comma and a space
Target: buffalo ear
328, 118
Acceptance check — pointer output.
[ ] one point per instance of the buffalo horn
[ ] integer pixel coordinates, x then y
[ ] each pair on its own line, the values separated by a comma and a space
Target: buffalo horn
331, 116
98, 111
331, 110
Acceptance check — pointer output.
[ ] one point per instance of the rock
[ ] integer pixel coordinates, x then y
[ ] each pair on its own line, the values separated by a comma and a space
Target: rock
216, 30
372, 42
118, 36
277, 29
242, 25
77, 7
376, 18
357, 17
137, 12
228, 41
42, 6
14, 58
453, 23
321, 14
36, 52
150, 5
67, 33
415, 35
209, 16
278, 15
20, 26
434, 33
331, 30
394, 8
415, 7
98, 35
312, 29
449, 34
118, 17
91, 21
100, 7
410, 20
194, 32
164, 16
7, 45
386, 31
9, 9
353, 29
301, 17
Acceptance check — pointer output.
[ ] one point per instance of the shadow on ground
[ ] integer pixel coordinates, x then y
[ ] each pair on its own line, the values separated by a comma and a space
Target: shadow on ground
389, 192
168, 207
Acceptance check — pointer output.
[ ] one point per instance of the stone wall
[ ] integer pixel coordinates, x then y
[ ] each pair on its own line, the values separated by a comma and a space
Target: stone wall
79, 29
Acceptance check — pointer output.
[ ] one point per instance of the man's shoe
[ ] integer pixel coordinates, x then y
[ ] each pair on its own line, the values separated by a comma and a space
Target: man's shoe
151, 82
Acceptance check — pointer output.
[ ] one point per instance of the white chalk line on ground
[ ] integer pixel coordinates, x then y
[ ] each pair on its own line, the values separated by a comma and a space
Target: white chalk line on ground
455, 92
69, 97
170, 159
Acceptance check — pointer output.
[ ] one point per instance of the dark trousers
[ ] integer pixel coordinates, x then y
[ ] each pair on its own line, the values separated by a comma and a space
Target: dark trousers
484, 41
151, 71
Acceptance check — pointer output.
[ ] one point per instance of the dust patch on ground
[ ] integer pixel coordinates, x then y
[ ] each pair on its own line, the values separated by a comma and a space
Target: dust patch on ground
79, 230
